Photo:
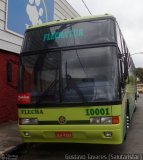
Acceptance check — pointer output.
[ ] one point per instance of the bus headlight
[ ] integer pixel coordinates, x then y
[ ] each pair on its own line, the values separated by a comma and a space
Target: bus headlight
106, 120
28, 121
95, 120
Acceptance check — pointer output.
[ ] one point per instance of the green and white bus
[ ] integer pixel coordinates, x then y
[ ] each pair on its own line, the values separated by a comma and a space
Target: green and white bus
77, 82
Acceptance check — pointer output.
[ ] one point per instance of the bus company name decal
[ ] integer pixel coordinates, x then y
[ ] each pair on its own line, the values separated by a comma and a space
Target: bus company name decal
31, 111
63, 35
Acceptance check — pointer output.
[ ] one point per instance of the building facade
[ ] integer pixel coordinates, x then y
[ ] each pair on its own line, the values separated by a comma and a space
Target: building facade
10, 46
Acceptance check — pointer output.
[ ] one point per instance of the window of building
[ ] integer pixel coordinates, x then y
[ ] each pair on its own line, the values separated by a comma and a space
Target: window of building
9, 72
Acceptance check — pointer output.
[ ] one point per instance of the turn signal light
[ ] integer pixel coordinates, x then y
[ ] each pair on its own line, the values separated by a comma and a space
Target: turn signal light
115, 120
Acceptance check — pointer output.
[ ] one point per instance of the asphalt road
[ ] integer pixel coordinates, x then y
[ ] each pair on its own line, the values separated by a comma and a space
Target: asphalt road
132, 148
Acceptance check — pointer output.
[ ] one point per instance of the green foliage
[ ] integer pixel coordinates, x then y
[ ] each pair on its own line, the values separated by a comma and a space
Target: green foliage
139, 73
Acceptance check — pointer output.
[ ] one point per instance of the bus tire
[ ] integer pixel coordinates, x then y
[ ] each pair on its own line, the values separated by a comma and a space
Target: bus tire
135, 106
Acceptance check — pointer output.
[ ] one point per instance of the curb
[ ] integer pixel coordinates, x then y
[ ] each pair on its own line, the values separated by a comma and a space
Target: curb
7, 150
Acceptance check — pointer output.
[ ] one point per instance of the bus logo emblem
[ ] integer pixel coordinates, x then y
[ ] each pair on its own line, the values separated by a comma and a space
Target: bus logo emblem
62, 120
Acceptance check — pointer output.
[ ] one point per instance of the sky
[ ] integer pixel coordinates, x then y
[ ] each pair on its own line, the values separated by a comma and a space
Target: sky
129, 15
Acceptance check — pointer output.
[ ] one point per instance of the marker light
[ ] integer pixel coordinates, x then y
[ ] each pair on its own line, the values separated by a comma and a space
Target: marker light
28, 121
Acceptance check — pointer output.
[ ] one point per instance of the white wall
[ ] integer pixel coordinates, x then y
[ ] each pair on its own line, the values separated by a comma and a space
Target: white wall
64, 10
12, 42
8, 41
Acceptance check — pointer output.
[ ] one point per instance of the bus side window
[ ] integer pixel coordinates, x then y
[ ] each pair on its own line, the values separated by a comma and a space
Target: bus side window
124, 56
121, 67
120, 53
119, 38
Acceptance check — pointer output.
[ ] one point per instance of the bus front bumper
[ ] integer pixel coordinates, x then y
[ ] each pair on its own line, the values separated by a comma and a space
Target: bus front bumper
72, 134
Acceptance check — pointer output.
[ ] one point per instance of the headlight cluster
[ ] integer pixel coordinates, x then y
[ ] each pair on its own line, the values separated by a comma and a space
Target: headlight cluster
104, 120
28, 121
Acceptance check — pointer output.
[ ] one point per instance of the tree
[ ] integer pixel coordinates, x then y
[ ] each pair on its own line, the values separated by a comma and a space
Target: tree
139, 73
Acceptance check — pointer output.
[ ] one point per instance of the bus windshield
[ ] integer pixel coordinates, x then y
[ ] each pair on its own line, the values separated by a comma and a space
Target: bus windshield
73, 76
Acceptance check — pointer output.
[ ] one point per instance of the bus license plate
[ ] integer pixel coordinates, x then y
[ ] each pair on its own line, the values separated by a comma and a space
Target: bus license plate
63, 134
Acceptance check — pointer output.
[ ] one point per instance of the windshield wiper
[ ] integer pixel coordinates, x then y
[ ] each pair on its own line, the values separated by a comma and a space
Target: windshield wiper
71, 82
50, 88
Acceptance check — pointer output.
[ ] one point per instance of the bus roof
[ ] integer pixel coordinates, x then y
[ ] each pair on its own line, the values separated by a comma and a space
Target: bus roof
71, 20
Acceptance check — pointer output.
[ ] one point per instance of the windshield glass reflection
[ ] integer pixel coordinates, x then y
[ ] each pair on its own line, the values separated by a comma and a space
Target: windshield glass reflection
82, 75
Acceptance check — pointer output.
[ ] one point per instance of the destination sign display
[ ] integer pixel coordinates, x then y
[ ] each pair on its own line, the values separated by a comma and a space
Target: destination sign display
63, 35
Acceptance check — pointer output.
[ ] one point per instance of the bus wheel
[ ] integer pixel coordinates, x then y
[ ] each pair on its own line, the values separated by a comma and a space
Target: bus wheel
135, 106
